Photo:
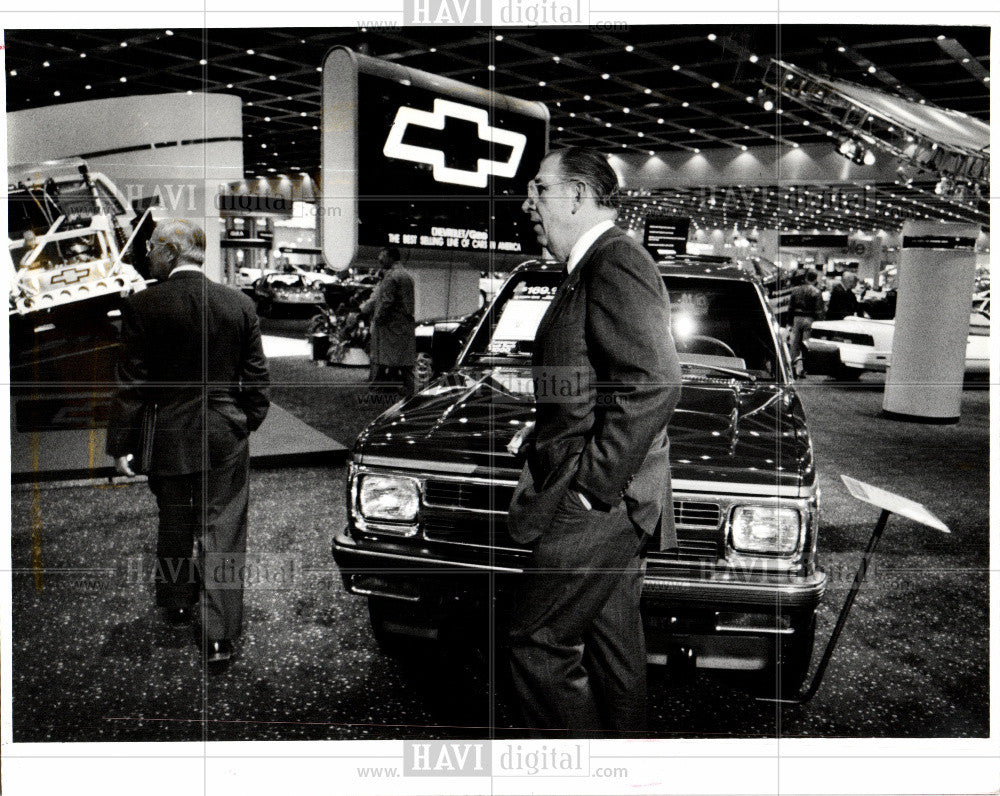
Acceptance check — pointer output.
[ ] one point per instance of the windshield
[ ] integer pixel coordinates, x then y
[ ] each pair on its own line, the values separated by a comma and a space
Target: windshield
720, 326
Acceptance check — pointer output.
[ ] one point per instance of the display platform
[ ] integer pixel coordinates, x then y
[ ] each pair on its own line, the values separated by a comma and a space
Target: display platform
63, 454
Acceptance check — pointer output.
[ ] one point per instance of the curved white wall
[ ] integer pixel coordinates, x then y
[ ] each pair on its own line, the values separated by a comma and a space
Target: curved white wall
185, 167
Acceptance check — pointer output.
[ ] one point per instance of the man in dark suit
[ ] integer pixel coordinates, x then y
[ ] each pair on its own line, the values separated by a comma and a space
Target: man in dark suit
393, 349
595, 488
192, 349
843, 303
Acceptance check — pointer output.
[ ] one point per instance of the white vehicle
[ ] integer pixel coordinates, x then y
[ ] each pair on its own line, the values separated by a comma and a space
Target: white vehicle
847, 348
69, 237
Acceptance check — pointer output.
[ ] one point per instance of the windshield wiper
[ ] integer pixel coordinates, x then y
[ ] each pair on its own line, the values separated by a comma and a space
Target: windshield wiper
735, 372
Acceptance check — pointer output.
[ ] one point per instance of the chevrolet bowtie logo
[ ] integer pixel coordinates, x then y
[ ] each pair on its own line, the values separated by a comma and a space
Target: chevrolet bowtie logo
70, 275
395, 148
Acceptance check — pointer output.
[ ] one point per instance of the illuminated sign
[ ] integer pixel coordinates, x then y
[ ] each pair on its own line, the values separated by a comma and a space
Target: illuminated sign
444, 110
415, 160
666, 236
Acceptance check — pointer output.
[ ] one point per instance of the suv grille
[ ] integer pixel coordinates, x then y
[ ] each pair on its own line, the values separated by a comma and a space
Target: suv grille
697, 522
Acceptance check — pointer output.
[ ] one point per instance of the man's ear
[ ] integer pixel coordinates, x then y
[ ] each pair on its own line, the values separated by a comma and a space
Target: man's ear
579, 195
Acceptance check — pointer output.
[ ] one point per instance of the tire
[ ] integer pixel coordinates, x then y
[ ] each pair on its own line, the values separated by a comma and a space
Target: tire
847, 373
794, 655
423, 370
384, 614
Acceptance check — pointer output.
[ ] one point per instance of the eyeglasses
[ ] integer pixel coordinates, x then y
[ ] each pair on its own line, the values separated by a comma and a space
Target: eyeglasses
536, 188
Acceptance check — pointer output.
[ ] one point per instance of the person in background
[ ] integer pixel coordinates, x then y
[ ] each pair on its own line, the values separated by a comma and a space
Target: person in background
843, 302
804, 306
393, 346
191, 350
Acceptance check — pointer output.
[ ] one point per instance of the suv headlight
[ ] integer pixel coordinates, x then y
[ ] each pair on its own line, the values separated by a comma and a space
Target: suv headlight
388, 497
765, 529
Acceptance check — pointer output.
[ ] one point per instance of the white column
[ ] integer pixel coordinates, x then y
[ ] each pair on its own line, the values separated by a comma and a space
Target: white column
927, 363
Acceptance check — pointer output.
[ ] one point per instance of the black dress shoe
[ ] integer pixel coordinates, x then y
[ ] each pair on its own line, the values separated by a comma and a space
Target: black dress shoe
218, 652
178, 616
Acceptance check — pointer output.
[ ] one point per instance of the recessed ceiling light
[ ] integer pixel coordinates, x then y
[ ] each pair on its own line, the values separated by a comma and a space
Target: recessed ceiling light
13, 73
560, 129
744, 147
697, 151
573, 115
45, 63
605, 76
251, 52
842, 49
203, 62
647, 91
229, 85
660, 121
749, 99
805, 123
685, 104
692, 130
607, 124
754, 59
263, 146
267, 118
124, 44
872, 70
249, 104
491, 67
319, 68
587, 97
433, 50
629, 48
541, 83
302, 113
169, 32
272, 77
676, 67
56, 93
556, 58
123, 80
315, 127
83, 55
712, 37
965, 60
715, 84
940, 38
624, 146
499, 37
190, 91
88, 87
626, 110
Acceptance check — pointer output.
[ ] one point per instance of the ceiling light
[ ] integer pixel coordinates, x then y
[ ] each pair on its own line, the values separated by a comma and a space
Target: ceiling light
647, 91
541, 83
625, 110
711, 37
660, 121
83, 55
652, 153
696, 151
433, 50
45, 63
965, 60
269, 77
499, 37
605, 76
229, 85
795, 144
251, 52
189, 91
56, 93
315, 127
768, 105
491, 67
124, 44
123, 80
169, 32
203, 62
676, 67
805, 123
685, 104
319, 68
629, 48
715, 84
842, 49
744, 147
587, 97
692, 130
560, 129
754, 59
302, 113
572, 114
869, 158
267, 118
624, 146
940, 38
641, 134
872, 70
607, 124
13, 73
88, 87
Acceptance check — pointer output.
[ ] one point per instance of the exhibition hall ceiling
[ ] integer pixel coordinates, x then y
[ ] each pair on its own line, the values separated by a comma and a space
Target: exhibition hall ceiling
644, 89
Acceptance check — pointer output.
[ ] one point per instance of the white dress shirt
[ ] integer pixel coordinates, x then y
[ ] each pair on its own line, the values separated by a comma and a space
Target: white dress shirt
585, 241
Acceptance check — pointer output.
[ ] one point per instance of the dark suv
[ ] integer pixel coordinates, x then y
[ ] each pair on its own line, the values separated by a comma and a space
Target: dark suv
430, 481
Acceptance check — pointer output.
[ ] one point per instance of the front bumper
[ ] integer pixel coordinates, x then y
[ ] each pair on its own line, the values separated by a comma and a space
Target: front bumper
424, 575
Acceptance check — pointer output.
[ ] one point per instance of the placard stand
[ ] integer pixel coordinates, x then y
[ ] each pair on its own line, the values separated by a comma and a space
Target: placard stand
890, 503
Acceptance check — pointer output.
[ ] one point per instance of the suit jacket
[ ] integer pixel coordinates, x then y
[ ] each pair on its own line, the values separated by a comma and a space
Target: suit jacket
842, 303
192, 348
607, 380
393, 340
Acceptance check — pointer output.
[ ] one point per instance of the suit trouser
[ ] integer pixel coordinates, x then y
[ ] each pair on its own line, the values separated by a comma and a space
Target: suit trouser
578, 654
211, 507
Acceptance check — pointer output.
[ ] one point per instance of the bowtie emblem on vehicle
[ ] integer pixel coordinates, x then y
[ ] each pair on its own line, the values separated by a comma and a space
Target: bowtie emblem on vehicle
443, 109
70, 275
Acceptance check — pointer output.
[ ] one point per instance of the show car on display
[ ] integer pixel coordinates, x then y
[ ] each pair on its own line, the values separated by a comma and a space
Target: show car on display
431, 478
285, 290
70, 237
847, 348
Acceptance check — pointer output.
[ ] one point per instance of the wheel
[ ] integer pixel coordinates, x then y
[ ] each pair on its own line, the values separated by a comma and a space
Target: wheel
847, 373
390, 621
423, 370
791, 666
